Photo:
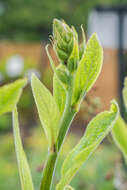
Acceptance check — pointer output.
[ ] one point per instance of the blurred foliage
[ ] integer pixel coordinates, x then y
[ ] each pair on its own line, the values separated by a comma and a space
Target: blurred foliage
98, 174
26, 102
31, 20
89, 108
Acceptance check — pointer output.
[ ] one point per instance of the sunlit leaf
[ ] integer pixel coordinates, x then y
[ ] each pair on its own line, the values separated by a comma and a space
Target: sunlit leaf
47, 109
9, 95
96, 130
119, 133
88, 69
24, 171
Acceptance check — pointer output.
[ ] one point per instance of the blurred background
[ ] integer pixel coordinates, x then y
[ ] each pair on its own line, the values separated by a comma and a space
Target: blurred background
25, 27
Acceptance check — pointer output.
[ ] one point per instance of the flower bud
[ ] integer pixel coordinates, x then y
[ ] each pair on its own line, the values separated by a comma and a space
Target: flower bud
62, 40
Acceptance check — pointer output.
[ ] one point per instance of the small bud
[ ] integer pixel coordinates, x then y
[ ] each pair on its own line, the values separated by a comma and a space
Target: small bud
62, 40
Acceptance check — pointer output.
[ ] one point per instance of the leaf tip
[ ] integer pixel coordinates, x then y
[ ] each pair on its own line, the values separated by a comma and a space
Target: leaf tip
114, 106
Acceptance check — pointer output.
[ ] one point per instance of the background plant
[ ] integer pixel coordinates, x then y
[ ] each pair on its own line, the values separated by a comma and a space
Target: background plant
22, 24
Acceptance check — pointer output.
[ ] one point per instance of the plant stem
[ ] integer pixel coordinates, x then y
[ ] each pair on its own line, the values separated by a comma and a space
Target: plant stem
64, 125
46, 182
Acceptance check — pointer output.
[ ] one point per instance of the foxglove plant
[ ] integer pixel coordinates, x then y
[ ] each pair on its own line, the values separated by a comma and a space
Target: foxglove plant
79, 66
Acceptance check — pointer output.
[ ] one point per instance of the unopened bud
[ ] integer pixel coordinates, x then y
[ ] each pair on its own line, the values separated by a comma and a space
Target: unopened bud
62, 40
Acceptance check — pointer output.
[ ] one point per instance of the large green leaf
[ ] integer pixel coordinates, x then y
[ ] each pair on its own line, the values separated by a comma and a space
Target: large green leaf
88, 69
47, 108
24, 171
119, 133
9, 95
125, 92
97, 129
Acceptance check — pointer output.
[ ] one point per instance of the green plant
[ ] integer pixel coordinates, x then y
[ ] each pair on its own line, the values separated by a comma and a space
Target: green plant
78, 70
75, 75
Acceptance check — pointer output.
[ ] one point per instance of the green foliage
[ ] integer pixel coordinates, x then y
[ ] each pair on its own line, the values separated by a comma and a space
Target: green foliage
47, 108
19, 23
25, 175
9, 95
119, 133
88, 69
71, 82
93, 174
97, 129
5, 121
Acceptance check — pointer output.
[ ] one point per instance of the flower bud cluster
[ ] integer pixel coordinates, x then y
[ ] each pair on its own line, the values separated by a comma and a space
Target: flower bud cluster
64, 41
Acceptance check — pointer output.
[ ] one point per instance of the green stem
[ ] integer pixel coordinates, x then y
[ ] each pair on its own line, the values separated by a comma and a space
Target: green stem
64, 125
48, 172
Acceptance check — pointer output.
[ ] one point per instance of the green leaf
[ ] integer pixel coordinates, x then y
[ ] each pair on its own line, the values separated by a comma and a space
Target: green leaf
96, 131
59, 93
88, 69
47, 109
125, 92
119, 133
24, 171
9, 95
